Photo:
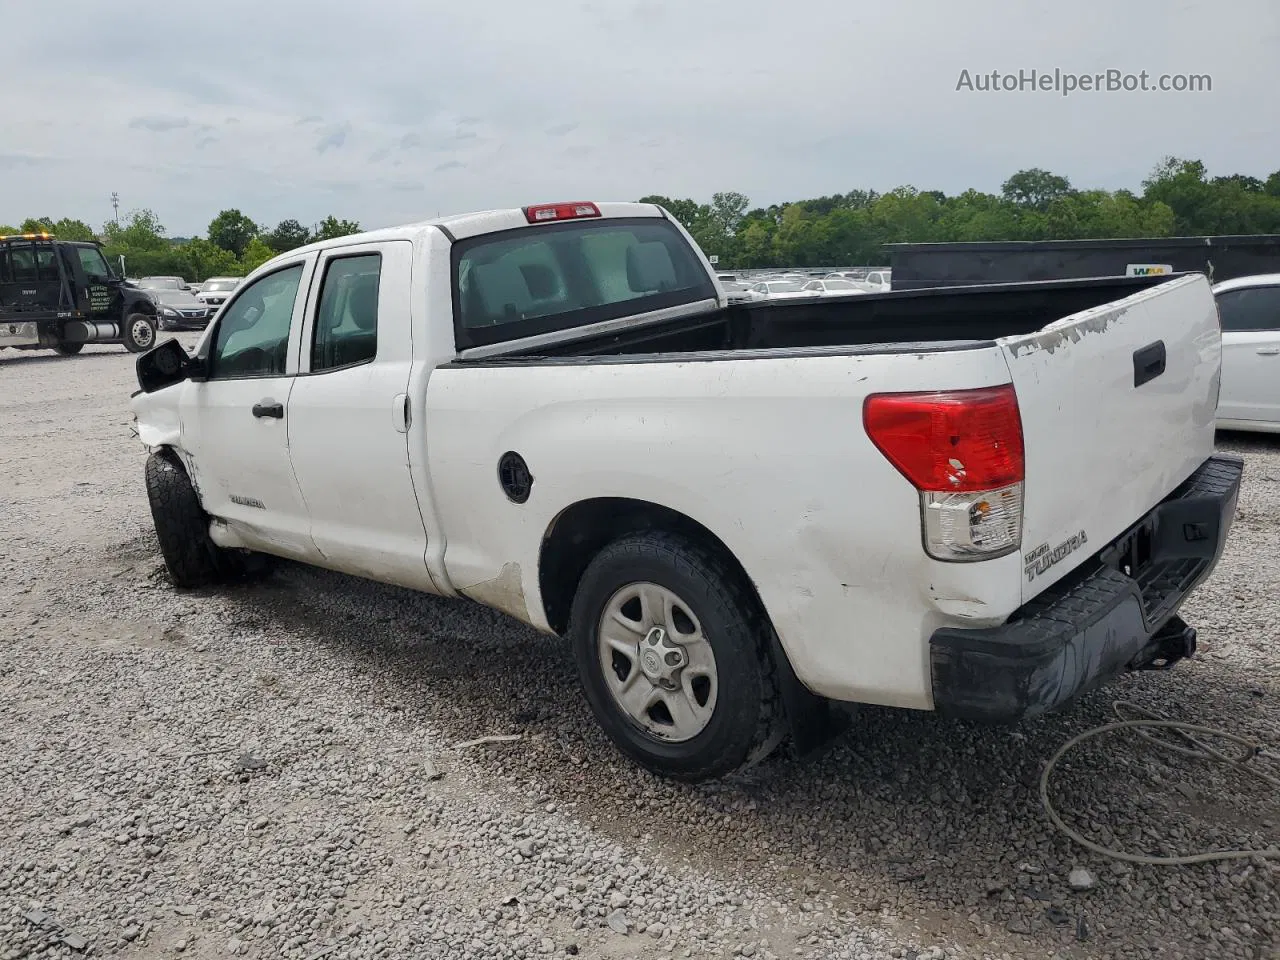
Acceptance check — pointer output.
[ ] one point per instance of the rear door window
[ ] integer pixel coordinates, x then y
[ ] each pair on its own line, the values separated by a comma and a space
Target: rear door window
541, 279
1250, 309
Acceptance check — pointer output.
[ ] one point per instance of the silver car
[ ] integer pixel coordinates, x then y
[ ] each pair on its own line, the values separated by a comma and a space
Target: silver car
176, 306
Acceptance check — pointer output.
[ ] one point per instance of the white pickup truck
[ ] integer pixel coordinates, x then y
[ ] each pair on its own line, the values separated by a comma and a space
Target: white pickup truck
981, 501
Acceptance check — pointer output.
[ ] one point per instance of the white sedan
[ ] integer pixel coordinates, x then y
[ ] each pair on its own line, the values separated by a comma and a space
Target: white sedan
1249, 309
833, 288
780, 290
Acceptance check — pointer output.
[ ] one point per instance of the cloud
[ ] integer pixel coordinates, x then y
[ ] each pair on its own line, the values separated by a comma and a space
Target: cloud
334, 138
14, 161
159, 124
669, 96
409, 141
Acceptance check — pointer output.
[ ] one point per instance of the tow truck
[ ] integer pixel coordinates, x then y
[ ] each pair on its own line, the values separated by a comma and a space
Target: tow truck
60, 295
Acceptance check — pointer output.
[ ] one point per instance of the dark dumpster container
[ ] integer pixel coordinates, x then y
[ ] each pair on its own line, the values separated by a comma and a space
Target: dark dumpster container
918, 265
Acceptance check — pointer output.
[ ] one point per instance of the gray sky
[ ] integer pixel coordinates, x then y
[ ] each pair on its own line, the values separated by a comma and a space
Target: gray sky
391, 110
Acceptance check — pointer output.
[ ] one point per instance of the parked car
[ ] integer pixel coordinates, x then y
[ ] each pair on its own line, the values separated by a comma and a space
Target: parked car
878, 281
779, 290
883, 518
735, 292
1249, 308
834, 288
216, 290
177, 308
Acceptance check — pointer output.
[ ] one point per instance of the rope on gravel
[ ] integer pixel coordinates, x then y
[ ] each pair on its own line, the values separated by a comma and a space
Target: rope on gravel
1197, 750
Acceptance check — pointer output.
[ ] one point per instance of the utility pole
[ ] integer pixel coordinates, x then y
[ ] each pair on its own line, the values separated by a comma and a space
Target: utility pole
115, 206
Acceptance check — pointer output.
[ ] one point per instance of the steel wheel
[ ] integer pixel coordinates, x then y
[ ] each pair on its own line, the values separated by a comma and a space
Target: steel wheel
141, 332
657, 664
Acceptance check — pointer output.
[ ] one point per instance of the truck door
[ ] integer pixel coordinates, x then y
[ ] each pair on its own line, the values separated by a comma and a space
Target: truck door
1250, 354
349, 415
235, 423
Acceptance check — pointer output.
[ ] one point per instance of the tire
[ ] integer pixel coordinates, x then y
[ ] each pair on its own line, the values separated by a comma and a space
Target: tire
139, 333
182, 527
732, 721
68, 349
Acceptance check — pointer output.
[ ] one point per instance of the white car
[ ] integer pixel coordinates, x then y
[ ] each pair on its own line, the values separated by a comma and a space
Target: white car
215, 290
878, 281
779, 290
834, 288
735, 514
1249, 308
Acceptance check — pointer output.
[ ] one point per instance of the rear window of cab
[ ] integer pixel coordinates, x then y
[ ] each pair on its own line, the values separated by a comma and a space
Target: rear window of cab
545, 278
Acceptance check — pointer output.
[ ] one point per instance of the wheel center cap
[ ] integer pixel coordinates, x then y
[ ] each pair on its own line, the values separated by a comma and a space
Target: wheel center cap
660, 659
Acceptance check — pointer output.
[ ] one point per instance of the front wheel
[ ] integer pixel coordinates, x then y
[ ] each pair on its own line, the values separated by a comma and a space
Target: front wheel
68, 349
139, 334
182, 527
673, 653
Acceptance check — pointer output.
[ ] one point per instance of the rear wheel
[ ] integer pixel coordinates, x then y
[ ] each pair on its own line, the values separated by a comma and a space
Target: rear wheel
139, 334
182, 527
68, 349
672, 651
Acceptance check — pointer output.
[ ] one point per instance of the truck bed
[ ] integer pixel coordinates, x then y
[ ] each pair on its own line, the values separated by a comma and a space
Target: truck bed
900, 321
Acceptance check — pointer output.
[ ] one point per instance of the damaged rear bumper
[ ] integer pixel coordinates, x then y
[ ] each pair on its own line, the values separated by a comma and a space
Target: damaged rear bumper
1116, 612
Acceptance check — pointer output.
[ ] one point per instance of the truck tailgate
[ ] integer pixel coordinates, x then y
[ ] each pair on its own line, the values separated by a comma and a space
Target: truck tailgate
1118, 406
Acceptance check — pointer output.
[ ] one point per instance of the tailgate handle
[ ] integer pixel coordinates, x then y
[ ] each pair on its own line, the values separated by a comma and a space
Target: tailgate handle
1148, 363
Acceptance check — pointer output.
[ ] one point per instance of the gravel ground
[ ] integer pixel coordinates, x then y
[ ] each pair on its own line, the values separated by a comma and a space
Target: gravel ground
282, 769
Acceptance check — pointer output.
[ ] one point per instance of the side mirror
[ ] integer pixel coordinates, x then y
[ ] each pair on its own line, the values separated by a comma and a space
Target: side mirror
163, 366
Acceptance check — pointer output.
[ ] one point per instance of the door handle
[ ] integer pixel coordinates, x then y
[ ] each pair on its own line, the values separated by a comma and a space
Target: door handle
269, 408
400, 412
1148, 363
1268, 351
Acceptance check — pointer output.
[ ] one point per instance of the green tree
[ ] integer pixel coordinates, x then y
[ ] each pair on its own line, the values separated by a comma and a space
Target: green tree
287, 235
256, 253
64, 229
203, 259
37, 225
6, 230
232, 231
330, 228
1035, 188
688, 212
141, 230
727, 211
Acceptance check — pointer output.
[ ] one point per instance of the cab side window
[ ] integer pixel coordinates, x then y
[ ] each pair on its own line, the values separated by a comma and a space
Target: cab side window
252, 339
346, 327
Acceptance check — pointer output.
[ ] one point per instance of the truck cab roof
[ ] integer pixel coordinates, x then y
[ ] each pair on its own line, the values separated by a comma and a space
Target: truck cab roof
463, 226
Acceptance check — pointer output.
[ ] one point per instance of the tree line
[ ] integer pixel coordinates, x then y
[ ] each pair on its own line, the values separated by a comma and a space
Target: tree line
1178, 198
234, 244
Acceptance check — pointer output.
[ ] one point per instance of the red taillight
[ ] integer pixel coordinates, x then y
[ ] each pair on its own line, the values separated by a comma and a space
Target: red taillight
549, 212
949, 442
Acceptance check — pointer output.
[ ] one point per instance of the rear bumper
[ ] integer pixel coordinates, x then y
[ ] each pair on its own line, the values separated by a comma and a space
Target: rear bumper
1116, 613
24, 333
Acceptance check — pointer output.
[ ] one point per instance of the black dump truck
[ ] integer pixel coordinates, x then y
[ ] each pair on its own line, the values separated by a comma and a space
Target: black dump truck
60, 295
917, 265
